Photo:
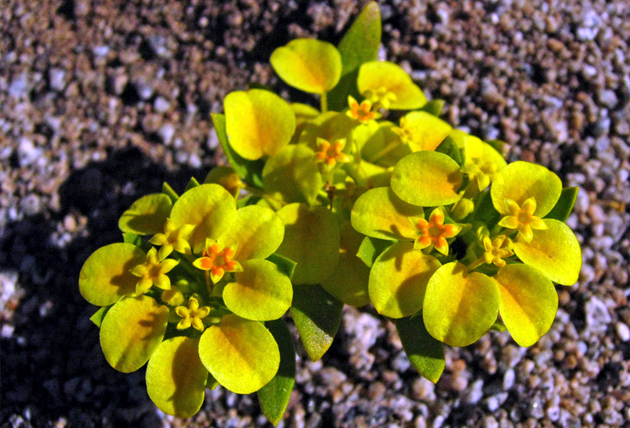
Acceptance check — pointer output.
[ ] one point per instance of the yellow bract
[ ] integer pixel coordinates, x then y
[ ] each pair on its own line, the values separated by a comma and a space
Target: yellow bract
459, 307
528, 302
554, 251
131, 331
422, 131
398, 280
242, 355
258, 123
388, 85
176, 379
427, 179
520, 181
308, 64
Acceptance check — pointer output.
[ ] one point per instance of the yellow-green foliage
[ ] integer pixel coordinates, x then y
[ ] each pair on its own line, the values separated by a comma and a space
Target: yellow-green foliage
321, 208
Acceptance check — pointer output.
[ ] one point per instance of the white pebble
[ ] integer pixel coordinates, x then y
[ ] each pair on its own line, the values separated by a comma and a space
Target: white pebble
623, 331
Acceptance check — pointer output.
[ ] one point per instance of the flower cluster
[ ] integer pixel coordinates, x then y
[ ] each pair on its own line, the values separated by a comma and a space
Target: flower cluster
370, 199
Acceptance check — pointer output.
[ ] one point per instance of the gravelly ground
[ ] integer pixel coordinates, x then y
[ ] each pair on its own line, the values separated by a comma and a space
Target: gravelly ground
102, 101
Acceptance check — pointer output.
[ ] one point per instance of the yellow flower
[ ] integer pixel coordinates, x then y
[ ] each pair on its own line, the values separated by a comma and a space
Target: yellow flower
361, 112
481, 170
192, 315
330, 154
497, 250
173, 238
153, 272
435, 232
522, 219
381, 97
217, 260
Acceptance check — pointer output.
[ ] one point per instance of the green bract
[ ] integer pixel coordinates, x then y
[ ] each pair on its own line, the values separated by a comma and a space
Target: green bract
325, 207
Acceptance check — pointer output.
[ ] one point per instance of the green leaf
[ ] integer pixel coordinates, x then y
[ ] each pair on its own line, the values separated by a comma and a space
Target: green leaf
379, 213
450, 149
309, 65
260, 292
134, 239
106, 275
554, 251
521, 180
528, 302
132, 330
371, 248
242, 355
459, 307
485, 211
294, 174
497, 145
147, 215
425, 353
390, 78
249, 171
399, 278
565, 204
349, 280
359, 45
210, 208
311, 239
99, 315
176, 378
258, 123
379, 144
427, 179
317, 316
284, 264
434, 107
191, 184
274, 397
168, 191
258, 232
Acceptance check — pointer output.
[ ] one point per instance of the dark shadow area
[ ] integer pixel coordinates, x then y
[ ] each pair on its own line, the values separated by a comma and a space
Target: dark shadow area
52, 364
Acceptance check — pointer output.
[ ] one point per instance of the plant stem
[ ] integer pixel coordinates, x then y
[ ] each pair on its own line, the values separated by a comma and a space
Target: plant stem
475, 264
323, 99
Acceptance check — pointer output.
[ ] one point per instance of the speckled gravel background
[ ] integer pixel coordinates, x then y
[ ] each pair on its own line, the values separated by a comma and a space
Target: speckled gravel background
101, 101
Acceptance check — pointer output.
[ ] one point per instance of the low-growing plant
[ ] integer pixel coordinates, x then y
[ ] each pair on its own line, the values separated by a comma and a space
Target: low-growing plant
354, 203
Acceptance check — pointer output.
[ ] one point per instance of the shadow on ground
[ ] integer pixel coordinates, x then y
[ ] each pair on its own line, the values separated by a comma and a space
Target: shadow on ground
52, 366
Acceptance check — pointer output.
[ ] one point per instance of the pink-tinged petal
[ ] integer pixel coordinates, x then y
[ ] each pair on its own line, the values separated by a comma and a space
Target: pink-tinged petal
203, 263
441, 245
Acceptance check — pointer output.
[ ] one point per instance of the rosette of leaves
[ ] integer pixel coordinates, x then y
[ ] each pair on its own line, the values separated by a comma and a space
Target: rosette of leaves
451, 281
346, 204
193, 332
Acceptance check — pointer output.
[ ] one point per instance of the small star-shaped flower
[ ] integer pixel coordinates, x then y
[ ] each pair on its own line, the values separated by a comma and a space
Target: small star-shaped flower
217, 260
381, 97
192, 315
331, 154
435, 232
497, 250
361, 112
173, 238
153, 272
523, 218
